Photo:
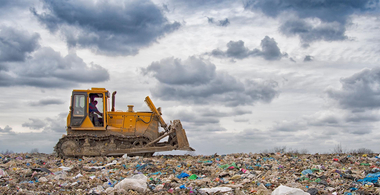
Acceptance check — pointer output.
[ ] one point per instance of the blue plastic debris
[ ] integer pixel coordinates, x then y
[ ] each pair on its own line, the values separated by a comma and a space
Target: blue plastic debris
139, 167
156, 173
182, 186
182, 175
372, 178
307, 171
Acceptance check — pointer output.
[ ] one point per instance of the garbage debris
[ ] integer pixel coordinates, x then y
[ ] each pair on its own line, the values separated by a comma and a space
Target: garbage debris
136, 182
281, 190
244, 173
215, 190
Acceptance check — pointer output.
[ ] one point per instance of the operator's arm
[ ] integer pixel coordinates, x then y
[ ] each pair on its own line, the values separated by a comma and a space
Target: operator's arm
97, 111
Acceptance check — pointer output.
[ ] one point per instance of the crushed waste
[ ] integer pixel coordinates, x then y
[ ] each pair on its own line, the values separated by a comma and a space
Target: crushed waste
243, 173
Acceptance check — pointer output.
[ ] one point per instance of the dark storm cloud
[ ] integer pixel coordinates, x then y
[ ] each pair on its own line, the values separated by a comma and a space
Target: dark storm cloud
56, 124
359, 92
308, 33
334, 16
224, 22
45, 102
237, 50
169, 71
48, 69
10, 6
7, 129
201, 4
196, 80
308, 58
121, 28
362, 117
326, 10
15, 45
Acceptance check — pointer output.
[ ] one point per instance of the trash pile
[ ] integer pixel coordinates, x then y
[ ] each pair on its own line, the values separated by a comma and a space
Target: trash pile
274, 173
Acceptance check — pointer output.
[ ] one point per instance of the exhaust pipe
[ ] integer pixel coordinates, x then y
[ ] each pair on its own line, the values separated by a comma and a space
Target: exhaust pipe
113, 101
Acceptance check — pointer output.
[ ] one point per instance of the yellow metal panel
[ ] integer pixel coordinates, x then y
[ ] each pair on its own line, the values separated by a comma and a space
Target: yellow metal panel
142, 126
87, 123
115, 120
68, 119
130, 123
89, 129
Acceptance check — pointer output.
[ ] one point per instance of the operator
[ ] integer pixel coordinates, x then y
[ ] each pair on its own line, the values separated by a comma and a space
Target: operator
92, 110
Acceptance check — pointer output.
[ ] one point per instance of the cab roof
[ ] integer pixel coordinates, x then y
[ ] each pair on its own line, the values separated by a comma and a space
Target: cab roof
92, 90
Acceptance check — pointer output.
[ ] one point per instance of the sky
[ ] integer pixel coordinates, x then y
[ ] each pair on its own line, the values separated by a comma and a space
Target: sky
242, 76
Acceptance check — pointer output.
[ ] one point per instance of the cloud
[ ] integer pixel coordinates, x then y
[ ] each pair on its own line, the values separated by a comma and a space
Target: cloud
120, 28
45, 102
48, 69
357, 117
8, 7
194, 5
23, 142
297, 16
325, 118
7, 129
337, 121
359, 92
56, 124
308, 32
196, 80
325, 10
16, 45
289, 126
237, 50
308, 58
36, 124
197, 71
224, 22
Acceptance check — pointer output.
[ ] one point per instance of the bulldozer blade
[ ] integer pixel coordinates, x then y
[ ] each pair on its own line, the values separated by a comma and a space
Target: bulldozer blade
183, 143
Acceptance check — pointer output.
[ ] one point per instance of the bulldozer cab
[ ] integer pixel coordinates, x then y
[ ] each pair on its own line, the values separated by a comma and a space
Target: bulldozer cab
88, 109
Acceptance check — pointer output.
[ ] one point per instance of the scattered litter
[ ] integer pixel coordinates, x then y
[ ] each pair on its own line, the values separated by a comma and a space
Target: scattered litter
215, 190
281, 190
245, 173
136, 182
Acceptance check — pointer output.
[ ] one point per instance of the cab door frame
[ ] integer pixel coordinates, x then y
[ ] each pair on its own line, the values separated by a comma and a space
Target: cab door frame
78, 114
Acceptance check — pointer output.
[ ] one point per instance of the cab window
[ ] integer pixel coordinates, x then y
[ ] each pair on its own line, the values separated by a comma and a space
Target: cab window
79, 105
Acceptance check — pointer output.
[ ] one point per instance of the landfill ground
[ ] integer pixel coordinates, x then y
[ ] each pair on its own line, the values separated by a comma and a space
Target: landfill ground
243, 173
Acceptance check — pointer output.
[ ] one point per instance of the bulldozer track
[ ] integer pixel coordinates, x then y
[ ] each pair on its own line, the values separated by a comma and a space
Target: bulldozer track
96, 145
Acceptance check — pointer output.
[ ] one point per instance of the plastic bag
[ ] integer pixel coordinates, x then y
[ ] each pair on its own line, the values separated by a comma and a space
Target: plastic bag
285, 190
136, 182
215, 190
3, 173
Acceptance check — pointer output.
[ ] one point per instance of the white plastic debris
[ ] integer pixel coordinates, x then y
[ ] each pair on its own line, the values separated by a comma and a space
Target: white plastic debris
3, 173
63, 168
77, 176
285, 190
215, 190
94, 167
98, 190
112, 163
136, 182
42, 179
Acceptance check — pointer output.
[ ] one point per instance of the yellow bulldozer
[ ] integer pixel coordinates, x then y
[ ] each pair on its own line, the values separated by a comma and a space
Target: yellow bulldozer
94, 128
